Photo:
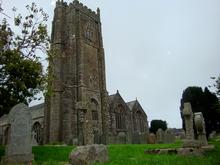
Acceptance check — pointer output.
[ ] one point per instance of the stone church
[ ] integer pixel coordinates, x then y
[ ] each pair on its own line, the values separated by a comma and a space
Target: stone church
79, 109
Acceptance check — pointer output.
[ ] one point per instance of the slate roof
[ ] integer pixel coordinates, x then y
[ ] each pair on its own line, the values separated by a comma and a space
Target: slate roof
131, 104
37, 111
111, 97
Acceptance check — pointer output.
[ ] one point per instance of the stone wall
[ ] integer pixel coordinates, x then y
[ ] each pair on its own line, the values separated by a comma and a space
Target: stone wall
78, 86
79, 110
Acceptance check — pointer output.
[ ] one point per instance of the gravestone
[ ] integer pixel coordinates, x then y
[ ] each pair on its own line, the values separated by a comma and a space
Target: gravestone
19, 147
160, 136
169, 137
200, 128
188, 117
212, 135
152, 138
121, 138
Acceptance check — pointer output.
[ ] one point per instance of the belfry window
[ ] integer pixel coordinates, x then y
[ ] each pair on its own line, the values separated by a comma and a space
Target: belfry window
139, 123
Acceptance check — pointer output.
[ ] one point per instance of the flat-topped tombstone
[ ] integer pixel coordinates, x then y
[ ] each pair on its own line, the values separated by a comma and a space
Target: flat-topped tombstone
19, 147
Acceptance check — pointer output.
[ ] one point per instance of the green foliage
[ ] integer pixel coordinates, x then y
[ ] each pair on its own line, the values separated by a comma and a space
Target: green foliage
216, 85
21, 71
205, 102
156, 124
48, 154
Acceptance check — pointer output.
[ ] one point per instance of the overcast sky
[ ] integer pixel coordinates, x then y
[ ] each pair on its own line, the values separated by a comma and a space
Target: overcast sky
154, 49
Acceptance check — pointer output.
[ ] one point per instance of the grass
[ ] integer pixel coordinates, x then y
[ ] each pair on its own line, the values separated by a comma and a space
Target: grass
134, 155
48, 155
51, 154
127, 155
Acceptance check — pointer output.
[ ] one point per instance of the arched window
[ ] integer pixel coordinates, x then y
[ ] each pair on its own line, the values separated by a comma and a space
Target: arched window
5, 136
37, 132
120, 117
139, 123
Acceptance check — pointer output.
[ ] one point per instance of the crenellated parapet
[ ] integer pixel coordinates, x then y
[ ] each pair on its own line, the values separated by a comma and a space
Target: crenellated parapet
79, 6
61, 3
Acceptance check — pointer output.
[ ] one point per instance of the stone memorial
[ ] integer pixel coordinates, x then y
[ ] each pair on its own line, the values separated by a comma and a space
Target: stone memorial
200, 128
19, 146
188, 117
160, 136
88, 155
152, 138
212, 135
169, 137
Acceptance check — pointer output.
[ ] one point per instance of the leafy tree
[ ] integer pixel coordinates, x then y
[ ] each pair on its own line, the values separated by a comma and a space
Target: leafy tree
216, 85
205, 102
156, 124
21, 71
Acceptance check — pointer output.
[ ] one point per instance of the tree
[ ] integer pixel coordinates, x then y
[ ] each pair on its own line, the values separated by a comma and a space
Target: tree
205, 102
156, 124
216, 85
21, 71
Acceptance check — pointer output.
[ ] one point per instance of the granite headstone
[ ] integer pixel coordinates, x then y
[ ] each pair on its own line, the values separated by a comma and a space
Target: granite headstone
19, 147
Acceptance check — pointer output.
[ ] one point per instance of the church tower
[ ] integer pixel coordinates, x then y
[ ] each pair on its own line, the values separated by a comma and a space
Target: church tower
76, 110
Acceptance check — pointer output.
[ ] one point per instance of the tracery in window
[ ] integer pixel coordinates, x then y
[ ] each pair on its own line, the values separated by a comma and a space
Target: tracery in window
120, 117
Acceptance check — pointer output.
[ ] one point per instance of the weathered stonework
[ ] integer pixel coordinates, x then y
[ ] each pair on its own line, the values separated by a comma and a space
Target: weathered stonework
160, 136
79, 85
88, 155
152, 138
200, 128
169, 136
79, 110
19, 148
188, 117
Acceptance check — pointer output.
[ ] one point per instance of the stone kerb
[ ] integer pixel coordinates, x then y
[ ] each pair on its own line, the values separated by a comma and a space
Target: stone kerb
19, 147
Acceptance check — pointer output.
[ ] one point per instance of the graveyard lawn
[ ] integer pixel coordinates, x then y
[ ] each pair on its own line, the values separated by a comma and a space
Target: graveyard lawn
127, 155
